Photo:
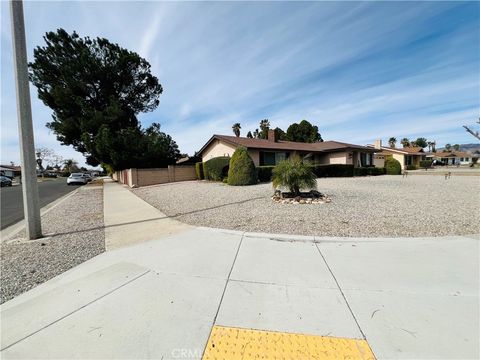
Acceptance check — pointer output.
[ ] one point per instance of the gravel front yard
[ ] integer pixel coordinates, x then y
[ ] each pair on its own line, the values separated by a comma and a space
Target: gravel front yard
77, 234
387, 206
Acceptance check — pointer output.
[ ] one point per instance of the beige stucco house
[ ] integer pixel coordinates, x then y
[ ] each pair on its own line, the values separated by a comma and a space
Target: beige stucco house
405, 156
454, 157
270, 151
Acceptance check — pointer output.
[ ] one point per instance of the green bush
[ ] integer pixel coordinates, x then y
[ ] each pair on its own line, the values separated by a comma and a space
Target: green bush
294, 175
333, 170
264, 173
411, 167
392, 166
426, 164
199, 170
216, 169
369, 171
242, 169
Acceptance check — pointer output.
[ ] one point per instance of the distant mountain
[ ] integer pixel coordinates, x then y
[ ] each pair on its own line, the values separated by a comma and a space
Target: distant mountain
466, 147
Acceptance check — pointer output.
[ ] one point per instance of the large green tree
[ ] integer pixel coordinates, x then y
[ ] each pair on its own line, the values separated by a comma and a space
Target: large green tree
421, 142
96, 89
136, 147
303, 132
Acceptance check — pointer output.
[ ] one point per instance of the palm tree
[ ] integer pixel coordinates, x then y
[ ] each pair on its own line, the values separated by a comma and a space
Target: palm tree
236, 129
392, 141
264, 126
294, 174
456, 147
70, 165
448, 147
429, 144
405, 142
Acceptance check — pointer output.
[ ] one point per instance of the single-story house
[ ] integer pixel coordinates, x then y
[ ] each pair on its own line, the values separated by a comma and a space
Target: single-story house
454, 157
405, 156
10, 171
270, 151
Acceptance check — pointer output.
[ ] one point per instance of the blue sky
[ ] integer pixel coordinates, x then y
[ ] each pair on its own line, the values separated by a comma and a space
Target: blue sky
359, 71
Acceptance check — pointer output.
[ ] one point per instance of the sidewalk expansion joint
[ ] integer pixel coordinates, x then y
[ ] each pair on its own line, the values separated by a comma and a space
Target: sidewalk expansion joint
76, 310
341, 291
225, 287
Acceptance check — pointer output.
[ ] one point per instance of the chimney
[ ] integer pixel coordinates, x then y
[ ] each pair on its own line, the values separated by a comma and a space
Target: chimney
271, 135
378, 144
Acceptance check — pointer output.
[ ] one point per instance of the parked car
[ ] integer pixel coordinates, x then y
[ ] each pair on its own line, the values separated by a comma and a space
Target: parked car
77, 178
88, 176
5, 181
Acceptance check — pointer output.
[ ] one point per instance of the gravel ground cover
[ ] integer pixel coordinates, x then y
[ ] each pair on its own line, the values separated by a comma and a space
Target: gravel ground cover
75, 234
388, 206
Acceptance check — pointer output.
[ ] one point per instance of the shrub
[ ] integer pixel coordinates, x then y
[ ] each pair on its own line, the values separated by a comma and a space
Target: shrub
294, 175
392, 167
216, 169
333, 170
199, 170
264, 173
372, 171
242, 169
411, 167
426, 164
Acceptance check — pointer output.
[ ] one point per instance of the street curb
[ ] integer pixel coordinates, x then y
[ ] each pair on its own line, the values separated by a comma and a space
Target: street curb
12, 230
334, 239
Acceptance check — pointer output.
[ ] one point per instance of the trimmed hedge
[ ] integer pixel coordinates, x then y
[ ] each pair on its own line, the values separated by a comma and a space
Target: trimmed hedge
369, 171
411, 167
392, 167
241, 170
332, 170
425, 164
216, 169
264, 173
199, 170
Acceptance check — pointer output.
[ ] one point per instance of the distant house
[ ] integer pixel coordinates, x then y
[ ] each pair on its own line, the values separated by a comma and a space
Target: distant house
455, 157
405, 156
10, 171
270, 151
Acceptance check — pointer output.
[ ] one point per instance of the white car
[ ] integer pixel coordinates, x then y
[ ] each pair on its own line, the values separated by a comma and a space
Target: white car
76, 178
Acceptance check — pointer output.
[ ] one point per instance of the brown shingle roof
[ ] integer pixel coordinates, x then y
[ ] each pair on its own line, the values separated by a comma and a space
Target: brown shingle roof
458, 154
406, 151
326, 146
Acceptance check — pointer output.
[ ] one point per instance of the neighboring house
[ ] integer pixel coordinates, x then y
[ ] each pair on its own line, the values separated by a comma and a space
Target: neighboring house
405, 156
10, 171
188, 160
454, 157
270, 151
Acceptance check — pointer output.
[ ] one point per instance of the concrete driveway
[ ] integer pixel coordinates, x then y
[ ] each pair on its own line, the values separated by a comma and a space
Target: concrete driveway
408, 298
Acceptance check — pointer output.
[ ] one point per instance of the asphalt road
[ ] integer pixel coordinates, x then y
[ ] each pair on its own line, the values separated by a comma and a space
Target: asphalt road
12, 201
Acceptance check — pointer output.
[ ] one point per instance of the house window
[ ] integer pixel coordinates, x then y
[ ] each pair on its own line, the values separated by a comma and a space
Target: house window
272, 158
365, 159
467, 159
409, 160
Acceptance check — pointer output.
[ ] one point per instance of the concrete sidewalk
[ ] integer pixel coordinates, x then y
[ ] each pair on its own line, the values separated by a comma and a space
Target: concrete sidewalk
159, 299
129, 220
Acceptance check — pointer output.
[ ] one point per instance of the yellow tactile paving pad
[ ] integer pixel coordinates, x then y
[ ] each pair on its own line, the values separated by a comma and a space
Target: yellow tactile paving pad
226, 343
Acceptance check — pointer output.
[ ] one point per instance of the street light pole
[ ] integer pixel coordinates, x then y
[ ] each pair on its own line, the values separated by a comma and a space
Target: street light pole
25, 128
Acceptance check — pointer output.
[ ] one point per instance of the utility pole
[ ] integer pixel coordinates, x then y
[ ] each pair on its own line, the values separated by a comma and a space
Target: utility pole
31, 204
